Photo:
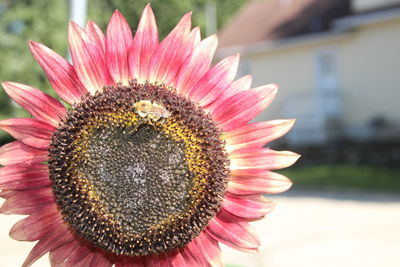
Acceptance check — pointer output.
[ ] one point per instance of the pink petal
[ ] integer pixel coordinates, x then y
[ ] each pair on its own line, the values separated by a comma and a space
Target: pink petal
60, 255
237, 86
186, 49
257, 181
119, 40
80, 254
157, 260
195, 37
49, 242
96, 35
256, 134
124, 261
247, 207
6, 193
234, 232
18, 152
31, 132
39, 104
88, 59
261, 158
27, 202
178, 259
60, 73
186, 256
86, 261
215, 81
196, 65
100, 259
206, 249
144, 45
24, 176
169, 55
37, 225
202, 251
192, 41
243, 107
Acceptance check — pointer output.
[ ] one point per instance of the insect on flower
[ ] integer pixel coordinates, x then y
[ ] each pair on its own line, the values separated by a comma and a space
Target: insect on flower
99, 195
151, 110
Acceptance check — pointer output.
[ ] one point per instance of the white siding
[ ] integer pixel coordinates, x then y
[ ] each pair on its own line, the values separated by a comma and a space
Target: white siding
367, 66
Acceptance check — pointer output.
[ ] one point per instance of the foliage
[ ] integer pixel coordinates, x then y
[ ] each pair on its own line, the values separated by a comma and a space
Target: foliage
346, 176
39, 20
167, 12
46, 22
21, 21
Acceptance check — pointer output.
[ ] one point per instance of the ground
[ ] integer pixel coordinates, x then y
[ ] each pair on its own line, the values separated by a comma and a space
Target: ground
310, 228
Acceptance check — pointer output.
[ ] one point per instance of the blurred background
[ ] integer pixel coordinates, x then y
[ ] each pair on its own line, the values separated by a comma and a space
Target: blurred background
337, 63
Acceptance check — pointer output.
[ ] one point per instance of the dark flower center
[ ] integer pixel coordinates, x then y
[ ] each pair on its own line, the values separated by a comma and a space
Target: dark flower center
141, 177
138, 169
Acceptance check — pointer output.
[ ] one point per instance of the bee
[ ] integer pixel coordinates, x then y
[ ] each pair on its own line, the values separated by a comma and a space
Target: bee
151, 110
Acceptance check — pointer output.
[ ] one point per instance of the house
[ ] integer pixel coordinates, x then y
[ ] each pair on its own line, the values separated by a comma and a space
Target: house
337, 63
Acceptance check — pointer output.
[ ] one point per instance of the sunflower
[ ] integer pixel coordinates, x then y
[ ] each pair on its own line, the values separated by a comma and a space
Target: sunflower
151, 160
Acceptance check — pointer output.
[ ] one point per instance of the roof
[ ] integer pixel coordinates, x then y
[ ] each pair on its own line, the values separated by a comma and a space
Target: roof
276, 19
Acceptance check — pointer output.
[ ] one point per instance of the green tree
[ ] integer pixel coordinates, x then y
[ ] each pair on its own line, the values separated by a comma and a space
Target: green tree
47, 22
168, 12
40, 20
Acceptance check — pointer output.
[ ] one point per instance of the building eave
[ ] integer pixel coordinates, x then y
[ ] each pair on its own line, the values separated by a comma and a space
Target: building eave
361, 20
282, 44
341, 29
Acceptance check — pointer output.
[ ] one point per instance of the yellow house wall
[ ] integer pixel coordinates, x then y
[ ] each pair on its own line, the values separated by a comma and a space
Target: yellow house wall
368, 73
291, 69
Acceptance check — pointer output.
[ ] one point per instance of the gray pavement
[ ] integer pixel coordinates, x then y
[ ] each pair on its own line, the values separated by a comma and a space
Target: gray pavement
308, 228
327, 228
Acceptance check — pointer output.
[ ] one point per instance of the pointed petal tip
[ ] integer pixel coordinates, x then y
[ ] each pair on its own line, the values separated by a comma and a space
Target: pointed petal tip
289, 124
73, 24
8, 84
5, 84
283, 184
286, 124
291, 153
117, 15
272, 86
73, 27
212, 39
148, 11
290, 121
292, 156
196, 30
186, 19
269, 92
234, 60
231, 60
34, 45
89, 23
31, 42
289, 184
235, 56
248, 78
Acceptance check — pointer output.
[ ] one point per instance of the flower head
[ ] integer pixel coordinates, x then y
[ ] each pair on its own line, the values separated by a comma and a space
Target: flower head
153, 162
